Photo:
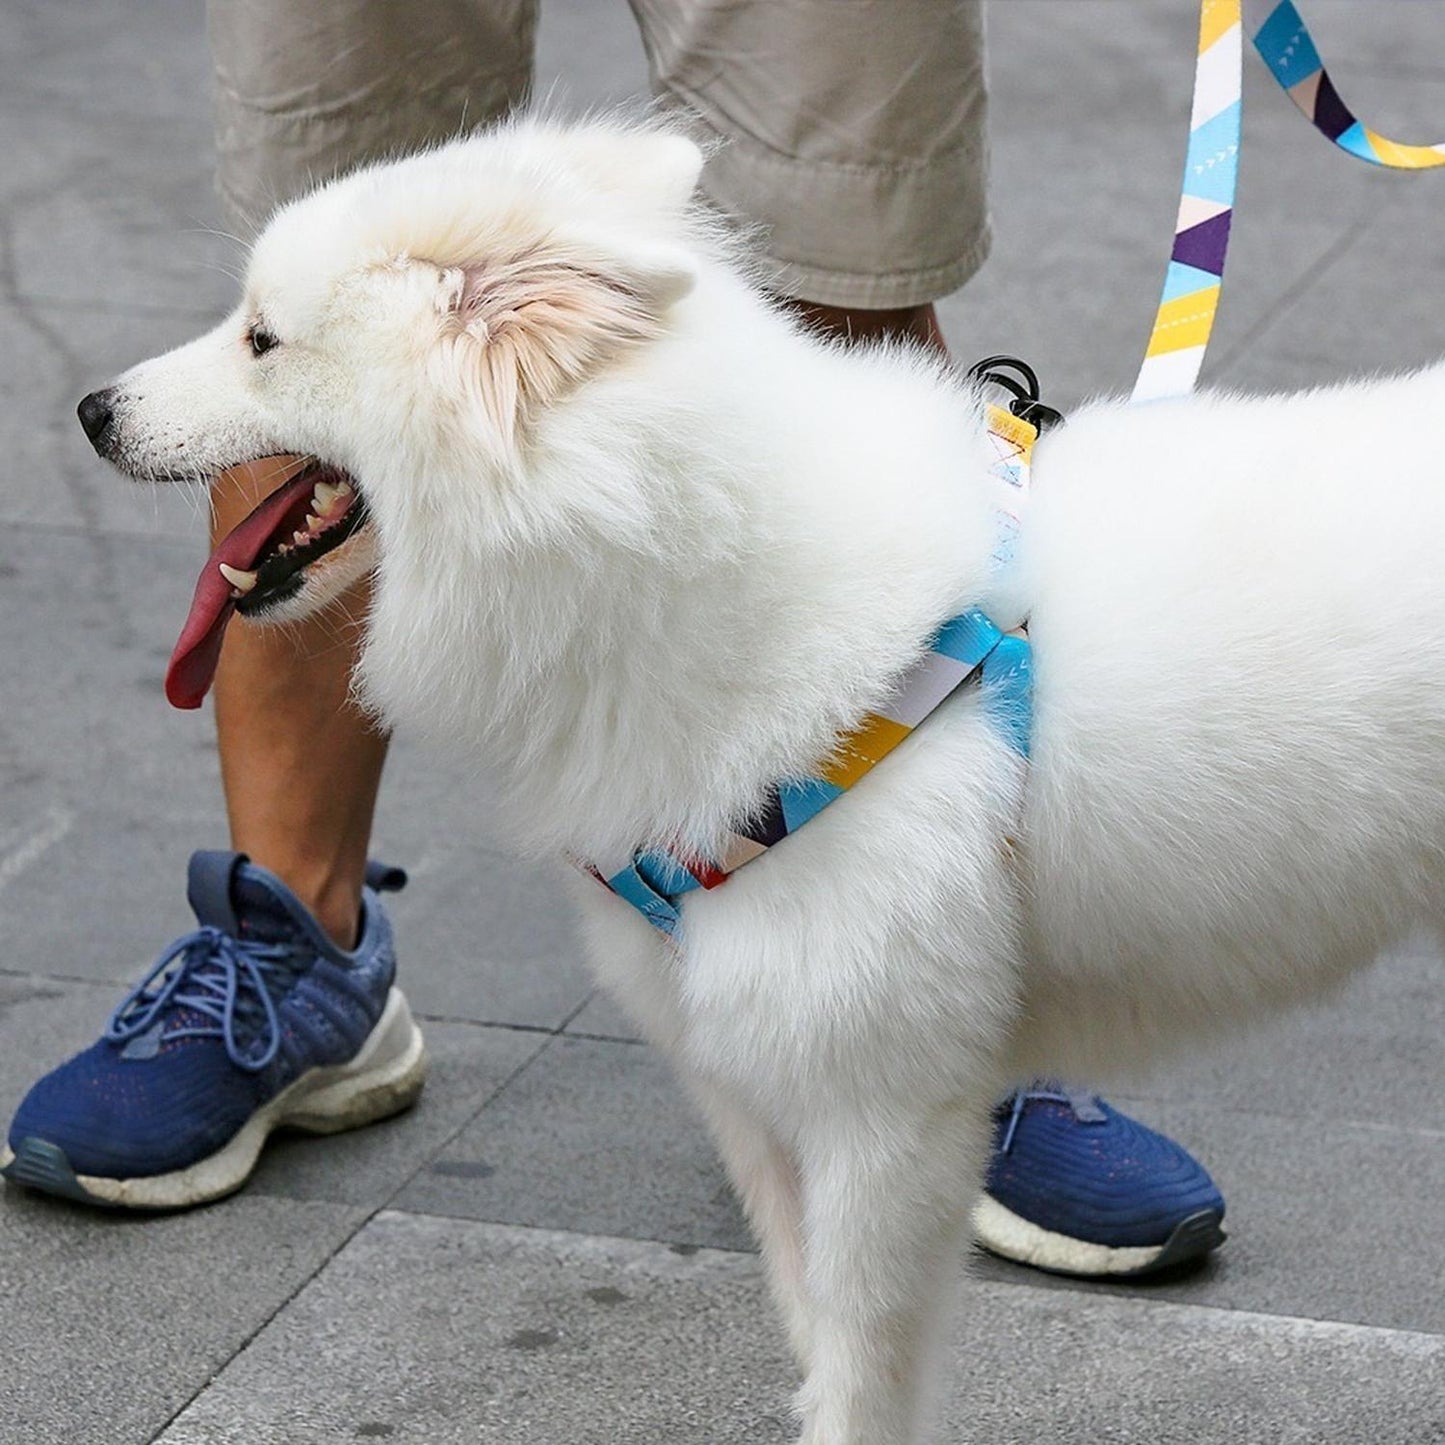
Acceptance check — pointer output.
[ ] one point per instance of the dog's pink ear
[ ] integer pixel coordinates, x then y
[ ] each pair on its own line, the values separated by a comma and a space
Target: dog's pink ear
531, 327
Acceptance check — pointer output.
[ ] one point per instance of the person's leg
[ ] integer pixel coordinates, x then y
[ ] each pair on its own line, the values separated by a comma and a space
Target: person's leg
303, 92
300, 762
859, 325
280, 1007
857, 148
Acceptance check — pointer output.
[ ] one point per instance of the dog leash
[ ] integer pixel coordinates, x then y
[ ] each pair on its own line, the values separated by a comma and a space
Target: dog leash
1190, 299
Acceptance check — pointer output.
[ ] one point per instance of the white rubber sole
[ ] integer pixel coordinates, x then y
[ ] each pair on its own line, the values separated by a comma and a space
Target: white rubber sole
1000, 1231
384, 1078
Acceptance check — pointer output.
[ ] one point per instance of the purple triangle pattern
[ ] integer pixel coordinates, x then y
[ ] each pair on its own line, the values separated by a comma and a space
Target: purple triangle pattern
1331, 114
769, 826
1205, 245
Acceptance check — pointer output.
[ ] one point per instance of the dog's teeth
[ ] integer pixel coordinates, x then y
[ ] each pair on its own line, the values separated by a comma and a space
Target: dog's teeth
301, 538
325, 495
314, 523
243, 582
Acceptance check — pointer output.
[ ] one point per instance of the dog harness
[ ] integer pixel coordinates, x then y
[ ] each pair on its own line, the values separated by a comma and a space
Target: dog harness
968, 648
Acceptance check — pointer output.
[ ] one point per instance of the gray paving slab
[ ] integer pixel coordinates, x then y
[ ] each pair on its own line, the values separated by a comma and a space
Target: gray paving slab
110, 1326
468, 1065
589, 54
1370, 310
105, 789
1368, 44
112, 212
89, 619
1373, 1055
105, 63
99, 903
1331, 1219
52, 478
604, 1018
443, 1331
494, 937
595, 1137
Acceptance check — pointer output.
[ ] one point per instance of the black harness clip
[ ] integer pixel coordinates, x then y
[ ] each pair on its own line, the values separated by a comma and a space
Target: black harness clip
1025, 404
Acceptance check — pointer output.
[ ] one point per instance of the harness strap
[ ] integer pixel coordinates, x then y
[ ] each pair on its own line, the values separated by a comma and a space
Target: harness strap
1190, 299
969, 647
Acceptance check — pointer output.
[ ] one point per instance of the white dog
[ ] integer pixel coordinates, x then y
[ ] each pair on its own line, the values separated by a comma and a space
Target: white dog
646, 549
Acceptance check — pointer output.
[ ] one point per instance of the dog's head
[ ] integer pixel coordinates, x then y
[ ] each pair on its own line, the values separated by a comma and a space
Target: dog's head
403, 315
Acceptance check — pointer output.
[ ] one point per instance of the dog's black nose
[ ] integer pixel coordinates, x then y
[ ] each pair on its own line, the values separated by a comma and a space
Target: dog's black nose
95, 414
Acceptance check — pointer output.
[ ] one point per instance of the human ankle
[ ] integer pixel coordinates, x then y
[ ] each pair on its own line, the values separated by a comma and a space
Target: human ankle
861, 325
331, 893
341, 918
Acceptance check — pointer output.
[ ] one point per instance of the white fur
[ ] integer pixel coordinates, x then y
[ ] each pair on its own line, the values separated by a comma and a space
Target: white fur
648, 549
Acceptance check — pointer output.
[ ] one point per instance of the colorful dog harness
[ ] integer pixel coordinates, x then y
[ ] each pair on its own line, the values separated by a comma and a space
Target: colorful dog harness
970, 647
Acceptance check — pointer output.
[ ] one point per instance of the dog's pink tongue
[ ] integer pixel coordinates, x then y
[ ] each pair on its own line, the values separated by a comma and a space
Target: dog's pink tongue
198, 649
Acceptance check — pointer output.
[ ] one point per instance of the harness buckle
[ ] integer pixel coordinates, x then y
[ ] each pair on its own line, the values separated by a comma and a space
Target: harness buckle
994, 371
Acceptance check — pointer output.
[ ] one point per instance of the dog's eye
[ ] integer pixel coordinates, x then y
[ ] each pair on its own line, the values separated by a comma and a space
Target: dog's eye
261, 340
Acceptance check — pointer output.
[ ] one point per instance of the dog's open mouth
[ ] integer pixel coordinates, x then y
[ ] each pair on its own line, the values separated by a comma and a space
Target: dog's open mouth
260, 563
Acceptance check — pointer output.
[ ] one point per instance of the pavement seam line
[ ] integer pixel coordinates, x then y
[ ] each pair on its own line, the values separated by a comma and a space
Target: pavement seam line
252, 1335
1412, 1341
365, 1219
549, 1038
561, 1031
1293, 293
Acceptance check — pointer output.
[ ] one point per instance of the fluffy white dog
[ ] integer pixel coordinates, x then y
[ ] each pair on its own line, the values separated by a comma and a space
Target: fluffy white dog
646, 549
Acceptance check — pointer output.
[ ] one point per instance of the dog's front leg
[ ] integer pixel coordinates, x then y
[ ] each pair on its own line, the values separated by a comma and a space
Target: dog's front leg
886, 1194
765, 1175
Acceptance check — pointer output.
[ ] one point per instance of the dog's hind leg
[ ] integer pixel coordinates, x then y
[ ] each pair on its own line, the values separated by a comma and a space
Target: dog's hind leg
886, 1195
765, 1176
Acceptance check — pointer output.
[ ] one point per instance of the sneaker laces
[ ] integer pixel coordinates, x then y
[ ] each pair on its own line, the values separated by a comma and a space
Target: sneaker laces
233, 982
1084, 1106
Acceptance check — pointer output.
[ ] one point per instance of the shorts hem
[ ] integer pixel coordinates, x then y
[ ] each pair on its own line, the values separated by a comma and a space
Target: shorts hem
881, 292
849, 233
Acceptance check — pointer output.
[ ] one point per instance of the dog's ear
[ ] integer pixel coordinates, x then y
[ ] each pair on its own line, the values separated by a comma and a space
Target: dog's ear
527, 329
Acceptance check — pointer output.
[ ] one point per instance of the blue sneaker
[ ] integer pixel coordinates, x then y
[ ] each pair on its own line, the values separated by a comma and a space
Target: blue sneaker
254, 1021
1076, 1187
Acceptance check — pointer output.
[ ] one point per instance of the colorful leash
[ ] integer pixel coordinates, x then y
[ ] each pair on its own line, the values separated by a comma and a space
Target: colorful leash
1211, 170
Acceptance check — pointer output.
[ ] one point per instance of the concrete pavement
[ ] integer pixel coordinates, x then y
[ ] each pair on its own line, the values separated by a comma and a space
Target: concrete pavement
545, 1249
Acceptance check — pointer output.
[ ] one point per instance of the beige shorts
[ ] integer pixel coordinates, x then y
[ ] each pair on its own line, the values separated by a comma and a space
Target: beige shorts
853, 130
